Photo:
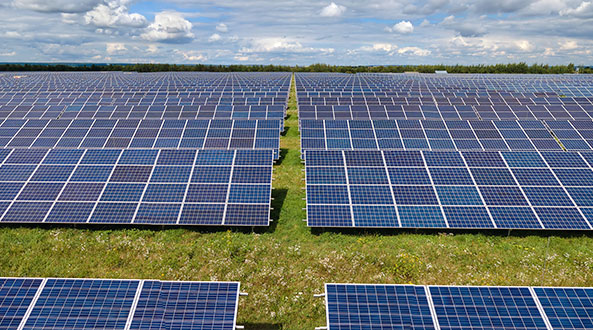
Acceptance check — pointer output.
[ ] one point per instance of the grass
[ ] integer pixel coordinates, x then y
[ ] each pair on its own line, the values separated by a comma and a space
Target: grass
281, 268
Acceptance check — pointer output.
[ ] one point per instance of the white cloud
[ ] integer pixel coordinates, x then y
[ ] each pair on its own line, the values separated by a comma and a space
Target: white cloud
114, 14
383, 47
584, 10
376, 48
57, 6
215, 37
280, 45
524, 45
403, 27
152, 49
241, 58
221, 27
13, 53
332, 10
115, 48
569, 45
414, 51
169, 26
191, 55
69, 18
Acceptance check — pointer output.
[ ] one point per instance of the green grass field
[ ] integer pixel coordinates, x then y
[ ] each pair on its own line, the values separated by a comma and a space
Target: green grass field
282, 267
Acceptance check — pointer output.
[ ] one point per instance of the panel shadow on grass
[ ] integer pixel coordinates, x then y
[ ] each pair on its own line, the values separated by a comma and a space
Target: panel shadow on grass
278, 195
283, 152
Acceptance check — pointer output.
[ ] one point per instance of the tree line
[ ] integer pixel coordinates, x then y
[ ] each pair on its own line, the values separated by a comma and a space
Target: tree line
495, 68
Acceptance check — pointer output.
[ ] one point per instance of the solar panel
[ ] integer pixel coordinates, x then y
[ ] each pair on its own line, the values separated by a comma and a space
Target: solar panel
112, 95
384, 306
567, 308
174, 187
16, 294
377, 307
141, 134
425, 135
60, 303
434, 189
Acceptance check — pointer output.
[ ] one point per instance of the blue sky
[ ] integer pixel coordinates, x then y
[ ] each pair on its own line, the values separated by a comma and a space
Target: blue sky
297, 32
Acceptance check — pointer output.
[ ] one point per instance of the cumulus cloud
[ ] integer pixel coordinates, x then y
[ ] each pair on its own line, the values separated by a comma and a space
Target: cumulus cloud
583, 10
169, 26
382, 47
115, 48
524, 45
57, 6
152, 49
215, 37
114, 14
280, 45
221, 27
569, 45
13, 53
332, 10
414, 51
376, 48
403, 27
191, 56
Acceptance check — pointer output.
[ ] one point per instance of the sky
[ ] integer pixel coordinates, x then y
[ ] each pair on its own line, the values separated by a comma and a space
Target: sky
372, 32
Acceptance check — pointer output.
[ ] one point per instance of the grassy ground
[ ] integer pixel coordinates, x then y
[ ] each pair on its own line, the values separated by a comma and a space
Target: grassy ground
283, 267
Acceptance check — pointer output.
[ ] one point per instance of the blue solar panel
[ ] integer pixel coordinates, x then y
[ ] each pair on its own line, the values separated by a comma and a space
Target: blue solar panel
72, 304
167, 134
377, 307
567, 308
399, 306
485, 308
186, 305
421, 135
461, 190
16, 294
56, 303
110, 186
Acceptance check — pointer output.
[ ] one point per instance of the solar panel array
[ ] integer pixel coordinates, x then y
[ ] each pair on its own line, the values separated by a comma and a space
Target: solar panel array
447, 151
144, 111
130, 148
440, 135
119, 95
431, 189
189, 187
378, 306
60, 303
147, 133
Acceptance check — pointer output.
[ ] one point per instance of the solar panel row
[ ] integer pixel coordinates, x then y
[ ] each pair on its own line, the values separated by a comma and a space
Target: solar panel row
409, 95
485, 85
447, 112
378, 306
59, 303
189, 187
438, 189
143, 112
445, 135
136, 133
